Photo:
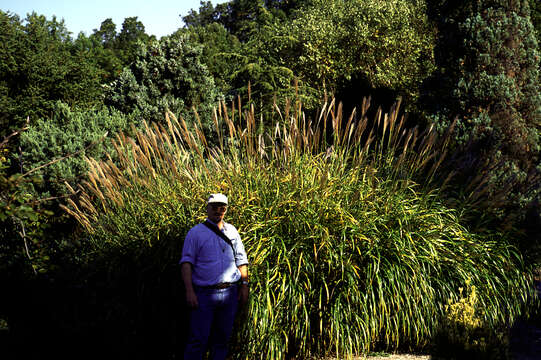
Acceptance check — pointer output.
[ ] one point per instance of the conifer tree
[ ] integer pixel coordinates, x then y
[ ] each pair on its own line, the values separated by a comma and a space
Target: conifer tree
535, 15
488, 73
40, 65
166, 75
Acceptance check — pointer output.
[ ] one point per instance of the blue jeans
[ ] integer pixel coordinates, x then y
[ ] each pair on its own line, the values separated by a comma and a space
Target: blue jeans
211, 323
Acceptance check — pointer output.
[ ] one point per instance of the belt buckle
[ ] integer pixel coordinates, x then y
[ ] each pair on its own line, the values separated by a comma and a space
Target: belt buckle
223, 285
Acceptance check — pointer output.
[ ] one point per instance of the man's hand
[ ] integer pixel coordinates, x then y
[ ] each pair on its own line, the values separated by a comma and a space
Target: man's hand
243, 294
243, 289
191, 300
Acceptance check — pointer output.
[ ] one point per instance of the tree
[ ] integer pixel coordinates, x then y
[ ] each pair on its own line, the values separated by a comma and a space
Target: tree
243, 17
12, 51
166, 75
40, 65
132, 32
103, 57
32, 227
307, 49
240, 17
206, 15
221, 52
106, 35
287, 7
24, 249
535, 14
121, 45
489, 75
346, 48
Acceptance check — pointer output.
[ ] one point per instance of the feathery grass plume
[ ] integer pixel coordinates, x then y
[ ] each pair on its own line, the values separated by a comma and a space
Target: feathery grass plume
350, 247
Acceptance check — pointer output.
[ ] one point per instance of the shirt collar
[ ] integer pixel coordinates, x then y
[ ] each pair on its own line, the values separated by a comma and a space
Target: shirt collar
212, 222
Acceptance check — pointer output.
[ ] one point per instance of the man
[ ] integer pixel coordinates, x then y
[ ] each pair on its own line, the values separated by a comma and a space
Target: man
215, 273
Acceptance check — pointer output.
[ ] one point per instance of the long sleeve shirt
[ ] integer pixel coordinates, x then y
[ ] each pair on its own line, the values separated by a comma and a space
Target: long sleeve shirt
212, 259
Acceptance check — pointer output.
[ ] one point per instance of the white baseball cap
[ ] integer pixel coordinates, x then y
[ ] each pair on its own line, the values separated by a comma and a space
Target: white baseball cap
217, 198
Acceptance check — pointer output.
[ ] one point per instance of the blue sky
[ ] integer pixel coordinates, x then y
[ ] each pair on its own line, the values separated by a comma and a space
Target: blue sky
160, 17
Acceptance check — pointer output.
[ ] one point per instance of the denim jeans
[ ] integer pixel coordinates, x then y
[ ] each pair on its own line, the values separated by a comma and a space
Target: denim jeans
211, 323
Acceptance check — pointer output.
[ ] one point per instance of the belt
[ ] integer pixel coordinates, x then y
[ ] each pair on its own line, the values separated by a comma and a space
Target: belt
223, 285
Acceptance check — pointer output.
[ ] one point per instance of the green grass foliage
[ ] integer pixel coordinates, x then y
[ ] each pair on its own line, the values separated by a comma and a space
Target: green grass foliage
348, 253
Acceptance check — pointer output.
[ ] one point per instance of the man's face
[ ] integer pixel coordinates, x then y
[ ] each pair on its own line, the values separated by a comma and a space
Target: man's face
216, 212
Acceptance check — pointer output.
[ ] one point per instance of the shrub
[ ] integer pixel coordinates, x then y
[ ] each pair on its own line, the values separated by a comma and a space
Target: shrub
81, 133
23, 221
348, 253
463, 334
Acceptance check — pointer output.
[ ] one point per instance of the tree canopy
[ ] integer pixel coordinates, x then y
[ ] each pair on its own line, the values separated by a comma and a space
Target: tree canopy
39, 65
166, 75
488, 72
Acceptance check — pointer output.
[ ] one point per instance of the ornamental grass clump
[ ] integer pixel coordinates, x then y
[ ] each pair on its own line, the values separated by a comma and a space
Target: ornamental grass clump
350, 247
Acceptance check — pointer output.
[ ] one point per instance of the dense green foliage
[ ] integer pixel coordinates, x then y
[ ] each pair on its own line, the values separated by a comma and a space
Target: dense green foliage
489, 73
241, 18
52, 153
80, 134
111, 50
251, 66
535, 8
347, 252
24, 249
167, 75
333, 44
221, 52
38, 66
360, 192
56, 83
309, 49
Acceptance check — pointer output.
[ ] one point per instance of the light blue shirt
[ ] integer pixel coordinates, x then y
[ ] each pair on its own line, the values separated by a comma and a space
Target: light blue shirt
211, 257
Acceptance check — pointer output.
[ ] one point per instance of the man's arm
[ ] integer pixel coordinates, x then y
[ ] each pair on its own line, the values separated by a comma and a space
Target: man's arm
244, 289
243, 272
191, 298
